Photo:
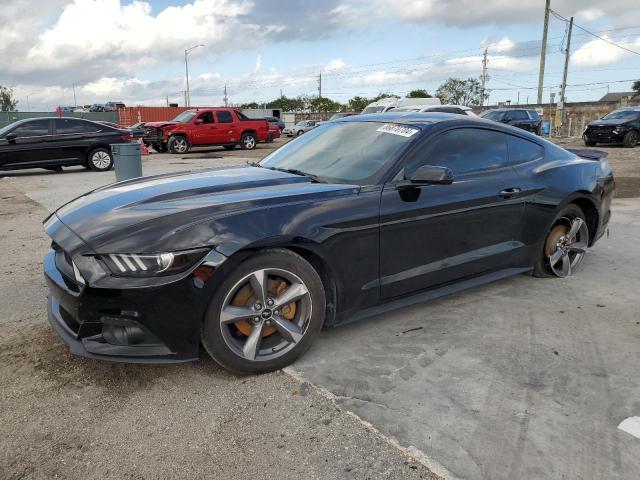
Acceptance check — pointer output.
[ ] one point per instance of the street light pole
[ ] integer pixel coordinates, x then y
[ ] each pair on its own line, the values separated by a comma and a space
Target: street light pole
186, 70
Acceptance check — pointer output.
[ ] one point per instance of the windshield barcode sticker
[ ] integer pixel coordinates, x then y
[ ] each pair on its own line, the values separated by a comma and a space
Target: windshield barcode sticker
398, 130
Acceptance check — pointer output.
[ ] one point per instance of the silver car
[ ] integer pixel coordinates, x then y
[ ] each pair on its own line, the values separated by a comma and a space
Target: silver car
300, 128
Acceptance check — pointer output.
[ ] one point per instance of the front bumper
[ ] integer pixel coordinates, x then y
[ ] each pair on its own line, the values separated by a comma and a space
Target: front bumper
603, 135
158, 324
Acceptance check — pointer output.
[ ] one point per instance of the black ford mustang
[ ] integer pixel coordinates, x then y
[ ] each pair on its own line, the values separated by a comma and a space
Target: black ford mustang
354, 218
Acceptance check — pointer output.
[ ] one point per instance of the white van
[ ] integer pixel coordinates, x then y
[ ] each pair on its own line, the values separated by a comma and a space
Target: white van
386, 104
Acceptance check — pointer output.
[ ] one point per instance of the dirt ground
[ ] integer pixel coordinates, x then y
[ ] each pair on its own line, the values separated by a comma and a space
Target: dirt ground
73, 418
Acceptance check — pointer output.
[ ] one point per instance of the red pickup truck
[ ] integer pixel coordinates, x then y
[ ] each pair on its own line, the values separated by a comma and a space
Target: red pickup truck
206, 127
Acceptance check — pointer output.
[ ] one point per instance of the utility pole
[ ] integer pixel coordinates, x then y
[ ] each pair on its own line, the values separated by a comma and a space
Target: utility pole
167, 100
567, 53
543, 50
320, 85
484, 77
75, 102
225, 98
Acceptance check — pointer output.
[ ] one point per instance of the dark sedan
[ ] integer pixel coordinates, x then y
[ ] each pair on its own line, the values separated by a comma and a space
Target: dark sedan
524, 118
357, 217
276, 121
620, 126
54, 143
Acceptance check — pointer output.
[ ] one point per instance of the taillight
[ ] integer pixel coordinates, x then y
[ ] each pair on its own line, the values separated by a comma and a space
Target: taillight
126, 138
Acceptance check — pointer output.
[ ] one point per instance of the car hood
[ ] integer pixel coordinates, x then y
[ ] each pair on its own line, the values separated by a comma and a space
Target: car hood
152, 214
610, 122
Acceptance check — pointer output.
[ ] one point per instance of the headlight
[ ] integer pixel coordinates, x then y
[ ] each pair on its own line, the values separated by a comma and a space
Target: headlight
148, 265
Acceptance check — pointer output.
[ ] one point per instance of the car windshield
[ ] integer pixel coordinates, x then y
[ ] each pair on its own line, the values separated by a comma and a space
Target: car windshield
374, 109
621, 115
184, 117
344, 152
492, 115
301, 124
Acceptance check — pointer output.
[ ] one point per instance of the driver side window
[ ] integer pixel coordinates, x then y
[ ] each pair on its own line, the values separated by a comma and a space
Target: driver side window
463, 150
206, 117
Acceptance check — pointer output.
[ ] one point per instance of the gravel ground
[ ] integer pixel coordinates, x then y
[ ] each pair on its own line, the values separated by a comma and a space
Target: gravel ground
75, 418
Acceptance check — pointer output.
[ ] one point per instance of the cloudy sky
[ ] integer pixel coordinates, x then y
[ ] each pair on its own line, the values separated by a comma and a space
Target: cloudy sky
134, 50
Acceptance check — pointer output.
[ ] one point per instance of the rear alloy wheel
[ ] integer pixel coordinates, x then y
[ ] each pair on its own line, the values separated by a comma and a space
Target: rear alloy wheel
631, 139
565, 245
178, 144
100, 160
248, 141
265, 314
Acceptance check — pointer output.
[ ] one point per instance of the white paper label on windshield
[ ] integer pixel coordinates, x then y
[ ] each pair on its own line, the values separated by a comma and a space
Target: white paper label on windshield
398, 130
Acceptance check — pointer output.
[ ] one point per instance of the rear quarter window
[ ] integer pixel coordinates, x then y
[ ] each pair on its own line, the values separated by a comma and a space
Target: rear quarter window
521, 150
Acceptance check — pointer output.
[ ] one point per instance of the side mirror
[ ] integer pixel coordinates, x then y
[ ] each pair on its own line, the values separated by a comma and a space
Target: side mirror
198, 121
11, 137
431, 175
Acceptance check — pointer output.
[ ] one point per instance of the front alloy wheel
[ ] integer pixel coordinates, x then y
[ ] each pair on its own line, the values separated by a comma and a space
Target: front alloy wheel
265, 314
178, 145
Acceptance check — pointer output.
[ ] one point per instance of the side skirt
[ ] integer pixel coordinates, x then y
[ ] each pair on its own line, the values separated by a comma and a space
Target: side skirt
430, 295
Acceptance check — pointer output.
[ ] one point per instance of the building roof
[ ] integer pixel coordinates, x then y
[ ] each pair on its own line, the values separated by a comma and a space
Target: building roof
617, 96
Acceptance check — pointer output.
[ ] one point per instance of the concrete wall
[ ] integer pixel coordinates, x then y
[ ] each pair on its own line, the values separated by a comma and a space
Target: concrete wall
9, 117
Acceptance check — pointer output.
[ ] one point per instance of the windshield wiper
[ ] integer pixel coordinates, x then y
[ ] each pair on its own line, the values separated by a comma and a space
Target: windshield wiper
295, 171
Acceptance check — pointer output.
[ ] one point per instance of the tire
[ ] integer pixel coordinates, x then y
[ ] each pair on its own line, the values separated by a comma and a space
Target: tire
229, 147
631, 139
100, 160
178, 144
229, 343
299, 132
159, 147
589, 143
248, 141
571, 212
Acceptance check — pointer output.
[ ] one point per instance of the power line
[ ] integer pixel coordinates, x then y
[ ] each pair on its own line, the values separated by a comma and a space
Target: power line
557, 15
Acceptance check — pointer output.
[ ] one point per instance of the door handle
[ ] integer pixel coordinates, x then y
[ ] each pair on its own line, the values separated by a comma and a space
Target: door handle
510, 192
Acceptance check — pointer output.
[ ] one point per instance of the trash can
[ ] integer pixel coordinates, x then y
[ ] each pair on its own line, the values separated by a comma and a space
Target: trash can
545, 127
127, 159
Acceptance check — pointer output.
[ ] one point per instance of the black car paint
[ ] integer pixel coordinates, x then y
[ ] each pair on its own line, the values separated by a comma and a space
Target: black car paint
375, 246
53, 149
611, 130
529, 124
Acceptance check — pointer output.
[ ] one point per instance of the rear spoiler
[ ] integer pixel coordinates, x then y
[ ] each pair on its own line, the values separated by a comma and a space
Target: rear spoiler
589, 154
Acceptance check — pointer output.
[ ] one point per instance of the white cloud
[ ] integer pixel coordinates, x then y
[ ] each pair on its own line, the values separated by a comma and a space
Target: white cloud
599, 52
334, 65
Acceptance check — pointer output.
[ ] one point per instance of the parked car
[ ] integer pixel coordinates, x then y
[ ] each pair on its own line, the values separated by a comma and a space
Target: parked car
113, 106
387, 104
97, 107
276, 121
524, 118
274, 132
137, 129
300, 128
620, 126
457, 109
109, 124
54, 143
357, 217
206, 127
83, 109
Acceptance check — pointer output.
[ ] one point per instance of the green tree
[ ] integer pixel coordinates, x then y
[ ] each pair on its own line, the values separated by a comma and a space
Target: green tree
418, 93
7, 101
324, 104
287, 104
456, 91
357, 103
636, 87
250, 105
